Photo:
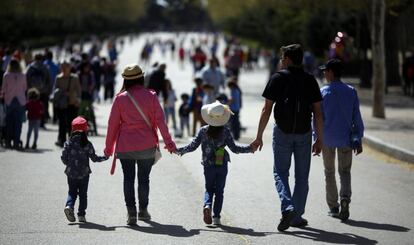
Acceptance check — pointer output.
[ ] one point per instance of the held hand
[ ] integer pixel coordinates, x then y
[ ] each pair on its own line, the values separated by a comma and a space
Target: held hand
171, 148
257, 143
358, 150
317, 148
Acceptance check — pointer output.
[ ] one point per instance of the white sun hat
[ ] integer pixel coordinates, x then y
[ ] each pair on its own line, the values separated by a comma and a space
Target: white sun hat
216, 114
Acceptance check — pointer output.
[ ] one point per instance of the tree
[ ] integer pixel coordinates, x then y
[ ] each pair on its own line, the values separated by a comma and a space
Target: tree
378, 57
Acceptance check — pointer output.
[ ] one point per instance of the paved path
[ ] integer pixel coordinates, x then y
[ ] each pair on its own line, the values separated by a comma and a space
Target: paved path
33, 190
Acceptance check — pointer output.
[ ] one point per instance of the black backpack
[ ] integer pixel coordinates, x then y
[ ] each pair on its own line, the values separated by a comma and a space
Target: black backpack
293, 111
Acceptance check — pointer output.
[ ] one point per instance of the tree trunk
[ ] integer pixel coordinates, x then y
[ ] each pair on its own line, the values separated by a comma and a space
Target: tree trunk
378, 57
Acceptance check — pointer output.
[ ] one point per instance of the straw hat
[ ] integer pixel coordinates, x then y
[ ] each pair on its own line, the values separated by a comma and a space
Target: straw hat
132, 71
216, 114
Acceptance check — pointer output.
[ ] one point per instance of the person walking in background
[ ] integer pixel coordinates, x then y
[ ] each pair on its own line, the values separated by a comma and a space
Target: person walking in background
38, 77
343, 129
213, 139
14, 91
209, 94
53, 69
136, 141
109, 75
196, 102
184, 114
157, 80
169, 103
75, 155
70, 86
213, 76
35, 112
235, 103
297, 98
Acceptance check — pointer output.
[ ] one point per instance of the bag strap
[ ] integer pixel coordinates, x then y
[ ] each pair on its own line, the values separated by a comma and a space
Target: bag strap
142, 113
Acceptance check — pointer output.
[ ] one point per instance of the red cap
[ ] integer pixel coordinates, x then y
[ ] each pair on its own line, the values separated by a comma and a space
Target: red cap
79, 124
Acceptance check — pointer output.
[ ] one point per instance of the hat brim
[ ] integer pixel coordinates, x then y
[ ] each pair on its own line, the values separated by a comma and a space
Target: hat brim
132, 77
215, 121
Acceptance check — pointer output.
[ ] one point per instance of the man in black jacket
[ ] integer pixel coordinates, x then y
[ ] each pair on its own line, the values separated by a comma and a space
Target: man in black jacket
297, 98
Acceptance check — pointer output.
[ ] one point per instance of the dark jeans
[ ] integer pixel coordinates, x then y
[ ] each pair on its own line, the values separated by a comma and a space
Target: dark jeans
215, 177
14, 121
144, 170
62, 115
78, 187
109, 90
44, 98
235, 125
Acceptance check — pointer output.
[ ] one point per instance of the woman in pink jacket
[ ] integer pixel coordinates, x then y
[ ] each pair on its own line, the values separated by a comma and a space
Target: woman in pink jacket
135, 141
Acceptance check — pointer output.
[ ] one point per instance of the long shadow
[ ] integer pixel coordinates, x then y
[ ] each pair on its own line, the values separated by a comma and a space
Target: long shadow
376, 226
37, 151
318, 235
169, 230
243, 231
93, 226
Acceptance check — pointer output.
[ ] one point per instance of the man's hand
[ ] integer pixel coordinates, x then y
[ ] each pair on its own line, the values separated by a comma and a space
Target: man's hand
358, 150
257, 143
317, 148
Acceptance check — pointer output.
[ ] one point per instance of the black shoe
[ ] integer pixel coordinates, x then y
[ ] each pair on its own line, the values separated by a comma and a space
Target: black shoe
58, 143
144, 215
26, 146
344, 214
34, 147
301, 223
334, 212
285, 220
131, 216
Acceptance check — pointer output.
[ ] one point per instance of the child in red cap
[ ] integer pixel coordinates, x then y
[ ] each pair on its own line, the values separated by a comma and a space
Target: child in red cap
76, 153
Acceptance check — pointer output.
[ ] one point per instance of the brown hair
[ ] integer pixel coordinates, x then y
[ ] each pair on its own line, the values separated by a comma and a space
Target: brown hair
130, 83
214, 132
14, 66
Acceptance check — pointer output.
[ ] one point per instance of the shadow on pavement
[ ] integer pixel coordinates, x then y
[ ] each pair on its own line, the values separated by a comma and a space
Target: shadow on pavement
237, 231
157, 228
37, 151
93, 226
376, 226
329, 237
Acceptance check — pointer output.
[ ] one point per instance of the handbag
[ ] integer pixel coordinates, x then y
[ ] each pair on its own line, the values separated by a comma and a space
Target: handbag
354, 139
157, 155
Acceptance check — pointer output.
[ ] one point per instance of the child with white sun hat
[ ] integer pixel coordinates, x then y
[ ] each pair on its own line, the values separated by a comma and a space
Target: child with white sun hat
213, 138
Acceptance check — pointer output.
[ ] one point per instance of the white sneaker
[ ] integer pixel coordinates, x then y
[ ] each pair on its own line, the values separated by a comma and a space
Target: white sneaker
216, 221
82, 219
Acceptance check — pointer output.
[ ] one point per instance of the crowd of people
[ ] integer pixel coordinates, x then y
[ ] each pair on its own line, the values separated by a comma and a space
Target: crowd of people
72, 83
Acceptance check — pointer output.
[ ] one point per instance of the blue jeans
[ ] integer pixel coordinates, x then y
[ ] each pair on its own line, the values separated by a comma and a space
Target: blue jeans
144, 170
14, 121
78, 187
215, 177
284, 145
33, 126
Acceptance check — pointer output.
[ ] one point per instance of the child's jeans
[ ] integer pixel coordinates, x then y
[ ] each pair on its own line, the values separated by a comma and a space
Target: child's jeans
215, 177
78, 187
185, 124
33, 126
170, 112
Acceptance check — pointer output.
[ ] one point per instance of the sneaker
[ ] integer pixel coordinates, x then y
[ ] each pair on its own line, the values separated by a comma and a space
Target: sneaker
216, 221
207, 215
143, 214
301, 222
344, 214
70, 215
81, 218
285, 220
334, 212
